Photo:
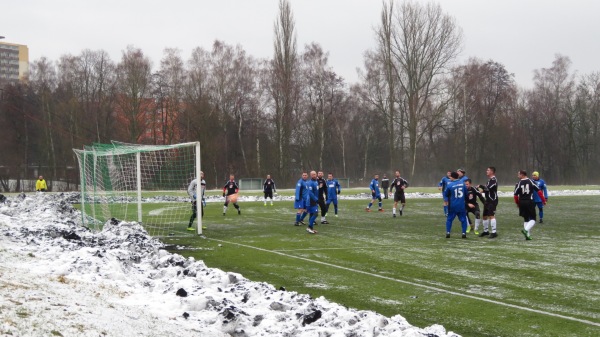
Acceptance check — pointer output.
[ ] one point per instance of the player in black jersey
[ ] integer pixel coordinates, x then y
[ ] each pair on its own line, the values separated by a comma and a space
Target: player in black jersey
230, 191
322, 183
269, 188
399, 184
491, 202
523, 195
472, 206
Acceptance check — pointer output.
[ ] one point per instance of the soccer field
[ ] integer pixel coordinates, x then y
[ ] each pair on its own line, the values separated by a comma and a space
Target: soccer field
370, 261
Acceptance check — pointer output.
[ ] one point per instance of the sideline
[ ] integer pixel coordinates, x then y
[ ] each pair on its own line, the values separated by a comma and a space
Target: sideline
416, 284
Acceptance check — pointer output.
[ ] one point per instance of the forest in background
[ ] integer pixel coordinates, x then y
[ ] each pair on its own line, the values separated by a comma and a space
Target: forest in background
414, 109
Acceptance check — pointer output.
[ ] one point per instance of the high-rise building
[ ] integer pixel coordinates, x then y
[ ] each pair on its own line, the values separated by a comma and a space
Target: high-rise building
14, 62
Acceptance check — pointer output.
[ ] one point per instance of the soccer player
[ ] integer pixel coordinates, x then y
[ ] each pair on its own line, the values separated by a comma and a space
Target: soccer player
230, 188
462, 175
456, 192
491, 202
333, 189
442, 187
301, 195
541, 184
524, 191
312, 201
375, 193
472, 206
322, 193
192, 191
399, 184
385, 184
269, 188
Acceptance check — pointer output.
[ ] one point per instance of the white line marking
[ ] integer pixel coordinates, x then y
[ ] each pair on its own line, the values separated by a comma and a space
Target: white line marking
417, 284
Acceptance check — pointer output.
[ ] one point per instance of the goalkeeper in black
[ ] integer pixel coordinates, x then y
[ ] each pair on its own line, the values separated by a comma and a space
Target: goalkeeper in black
230, 191
192, 192
268, 189
472, 206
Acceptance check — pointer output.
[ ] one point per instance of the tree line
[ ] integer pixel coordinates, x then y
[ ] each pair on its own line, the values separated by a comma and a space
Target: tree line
414, 108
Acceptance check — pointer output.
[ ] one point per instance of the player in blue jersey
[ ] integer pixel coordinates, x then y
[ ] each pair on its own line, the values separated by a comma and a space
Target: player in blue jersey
442, 187
301, 195
541, 184
311, 203
456, 192
375, 193
333, 189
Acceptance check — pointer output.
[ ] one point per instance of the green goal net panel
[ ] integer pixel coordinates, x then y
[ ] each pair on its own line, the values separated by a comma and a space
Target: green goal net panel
143, 183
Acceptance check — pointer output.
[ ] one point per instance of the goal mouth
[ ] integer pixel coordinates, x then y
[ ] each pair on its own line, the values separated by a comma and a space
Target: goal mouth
149, 184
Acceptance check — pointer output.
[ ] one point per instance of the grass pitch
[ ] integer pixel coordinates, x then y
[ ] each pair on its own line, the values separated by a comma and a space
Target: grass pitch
370, 261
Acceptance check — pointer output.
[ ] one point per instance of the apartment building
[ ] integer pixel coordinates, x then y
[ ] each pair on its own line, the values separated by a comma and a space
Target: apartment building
14, 62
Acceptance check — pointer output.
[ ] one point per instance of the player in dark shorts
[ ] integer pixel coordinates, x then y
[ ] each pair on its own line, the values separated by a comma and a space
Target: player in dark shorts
472, 206
491, 202
399, 184
523, 195
268, 189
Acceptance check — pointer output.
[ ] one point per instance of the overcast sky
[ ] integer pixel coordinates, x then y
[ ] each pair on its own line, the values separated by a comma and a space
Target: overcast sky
521, 34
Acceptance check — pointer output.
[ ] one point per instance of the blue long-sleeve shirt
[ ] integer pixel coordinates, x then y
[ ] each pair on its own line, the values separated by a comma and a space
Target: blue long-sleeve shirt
541, 184
301, 190
313, 192
374, 186
333, 189
456, 192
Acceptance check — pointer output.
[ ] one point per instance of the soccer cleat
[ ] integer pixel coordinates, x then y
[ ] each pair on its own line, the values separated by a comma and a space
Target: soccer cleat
400, 212
239, 212
302, 223
296, 224
468, 229
271, 204
526, 234
528, 237
464, 235
394, 215
336, 216
484, 233
190, 228
447, 235
476, 232
310, 230
367, 209
541, 220
314, 230
381, 210
203, 227
493, 235
265, 204
223, 213
324, 222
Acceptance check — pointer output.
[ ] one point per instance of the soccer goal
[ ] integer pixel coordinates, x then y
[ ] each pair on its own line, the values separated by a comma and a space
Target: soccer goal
144, 183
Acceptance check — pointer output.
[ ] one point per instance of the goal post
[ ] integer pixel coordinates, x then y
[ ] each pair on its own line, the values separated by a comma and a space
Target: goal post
144, 183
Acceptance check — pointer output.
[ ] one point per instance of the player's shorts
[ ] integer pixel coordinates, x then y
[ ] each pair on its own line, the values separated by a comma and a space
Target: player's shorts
474, 210
269, 194
489, 208
376, 196
312, 209
527, 209
299, 204
399, 197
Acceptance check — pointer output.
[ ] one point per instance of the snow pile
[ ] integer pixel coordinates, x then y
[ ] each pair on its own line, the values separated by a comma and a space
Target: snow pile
58, 278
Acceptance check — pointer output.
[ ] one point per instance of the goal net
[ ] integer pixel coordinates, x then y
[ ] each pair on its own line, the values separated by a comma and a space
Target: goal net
144, 183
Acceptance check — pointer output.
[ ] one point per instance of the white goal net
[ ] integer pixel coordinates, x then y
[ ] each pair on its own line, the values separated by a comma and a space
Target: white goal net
144, 183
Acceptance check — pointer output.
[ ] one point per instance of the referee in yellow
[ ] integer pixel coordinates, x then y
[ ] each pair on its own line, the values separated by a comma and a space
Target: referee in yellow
40, 185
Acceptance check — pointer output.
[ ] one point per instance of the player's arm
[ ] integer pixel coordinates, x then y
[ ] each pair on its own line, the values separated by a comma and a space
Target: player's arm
405, 184
338, 187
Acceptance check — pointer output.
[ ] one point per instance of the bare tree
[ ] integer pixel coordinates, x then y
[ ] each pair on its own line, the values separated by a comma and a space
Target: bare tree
283, 90
425, 42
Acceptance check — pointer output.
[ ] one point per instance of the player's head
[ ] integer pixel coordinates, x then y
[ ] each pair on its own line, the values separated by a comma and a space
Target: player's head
330, 176
397, 173
448, 174
268, 176
490, 171
41, 177
522, 174
376, 176
535, 175
231, 177
201, 174
461, 172
304, 175
468, 183
454, 175
313, 175
320, 174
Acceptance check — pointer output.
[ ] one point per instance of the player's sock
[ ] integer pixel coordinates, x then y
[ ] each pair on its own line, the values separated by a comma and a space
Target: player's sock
224, 209
486, 225
394, 210
370, 204
335, 208
311, 220
493, 223
464, 225
445, 210
298, 217
322, 218
477, 222
304, 214
530, 225
541, 213
380, 205
402, 208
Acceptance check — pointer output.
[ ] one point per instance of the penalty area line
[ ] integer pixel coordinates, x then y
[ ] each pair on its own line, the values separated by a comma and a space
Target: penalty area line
514, 306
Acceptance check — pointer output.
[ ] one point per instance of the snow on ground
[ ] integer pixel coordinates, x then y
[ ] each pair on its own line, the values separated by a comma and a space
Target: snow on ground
60, 279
